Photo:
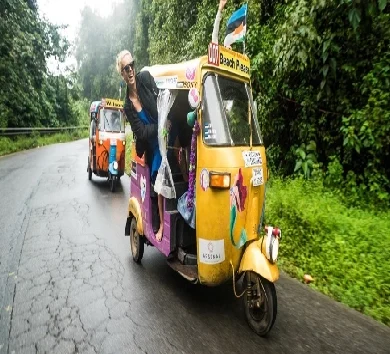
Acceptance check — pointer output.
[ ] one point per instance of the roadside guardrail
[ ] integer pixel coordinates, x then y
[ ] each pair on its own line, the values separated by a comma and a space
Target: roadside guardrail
40, 130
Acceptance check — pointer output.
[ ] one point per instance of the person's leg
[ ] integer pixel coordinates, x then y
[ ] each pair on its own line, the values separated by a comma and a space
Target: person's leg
159, 233
180, 156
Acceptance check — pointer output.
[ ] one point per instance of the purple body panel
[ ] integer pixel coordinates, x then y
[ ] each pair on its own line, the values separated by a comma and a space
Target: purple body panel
136, 188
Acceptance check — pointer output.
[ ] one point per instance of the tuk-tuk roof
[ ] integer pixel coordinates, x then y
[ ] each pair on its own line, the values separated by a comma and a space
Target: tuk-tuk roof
184, 75
170, 75
105, 102
94, 107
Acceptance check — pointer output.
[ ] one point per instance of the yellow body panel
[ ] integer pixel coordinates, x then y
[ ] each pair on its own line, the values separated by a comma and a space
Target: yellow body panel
255, 260
135, 210
214, 208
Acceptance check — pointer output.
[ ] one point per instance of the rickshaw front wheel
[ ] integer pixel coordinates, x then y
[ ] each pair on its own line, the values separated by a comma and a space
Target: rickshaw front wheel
112, 181
136, 242
260, 303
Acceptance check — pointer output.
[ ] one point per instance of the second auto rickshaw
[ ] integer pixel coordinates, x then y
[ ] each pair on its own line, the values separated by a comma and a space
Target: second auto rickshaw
213, 212
107, 140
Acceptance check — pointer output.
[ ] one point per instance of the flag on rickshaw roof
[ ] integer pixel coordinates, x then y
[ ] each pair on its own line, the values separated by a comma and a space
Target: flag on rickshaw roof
236, 26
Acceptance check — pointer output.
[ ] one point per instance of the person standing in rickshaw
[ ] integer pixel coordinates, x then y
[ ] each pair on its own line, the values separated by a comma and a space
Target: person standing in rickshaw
141, 112
115, 122
218, 17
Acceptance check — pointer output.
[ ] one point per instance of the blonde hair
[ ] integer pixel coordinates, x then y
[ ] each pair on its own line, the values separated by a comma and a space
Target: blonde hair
119, 58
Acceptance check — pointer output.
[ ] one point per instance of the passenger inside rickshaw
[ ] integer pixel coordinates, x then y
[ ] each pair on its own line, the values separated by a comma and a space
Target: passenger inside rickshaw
110, 120
115, 121
178, 152
179, 140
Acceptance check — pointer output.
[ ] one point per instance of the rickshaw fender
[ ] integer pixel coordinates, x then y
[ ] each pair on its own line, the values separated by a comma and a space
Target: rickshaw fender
254, 260
135, 210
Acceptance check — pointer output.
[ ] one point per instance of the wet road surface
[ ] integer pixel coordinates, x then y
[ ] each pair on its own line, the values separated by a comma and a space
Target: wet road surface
68, 283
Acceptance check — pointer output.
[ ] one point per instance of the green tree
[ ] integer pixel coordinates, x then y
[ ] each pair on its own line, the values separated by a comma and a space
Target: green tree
26, 95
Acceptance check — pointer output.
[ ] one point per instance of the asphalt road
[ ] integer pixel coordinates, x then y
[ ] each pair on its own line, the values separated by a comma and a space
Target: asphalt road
68, 284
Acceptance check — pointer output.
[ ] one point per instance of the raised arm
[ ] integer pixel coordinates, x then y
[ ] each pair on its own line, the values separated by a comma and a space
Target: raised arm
217, 21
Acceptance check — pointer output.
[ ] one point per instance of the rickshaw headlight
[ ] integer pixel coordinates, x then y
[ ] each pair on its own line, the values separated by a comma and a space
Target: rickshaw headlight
124, 142
275, 250
272, 243
219, 180
115, 165
100, 141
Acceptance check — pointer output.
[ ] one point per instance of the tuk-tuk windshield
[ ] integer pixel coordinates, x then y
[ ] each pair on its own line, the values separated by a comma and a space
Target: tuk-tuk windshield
111, 120
226, 112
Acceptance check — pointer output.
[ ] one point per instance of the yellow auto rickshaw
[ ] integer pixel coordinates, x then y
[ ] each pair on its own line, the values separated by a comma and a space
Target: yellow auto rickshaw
214, 210
107, 140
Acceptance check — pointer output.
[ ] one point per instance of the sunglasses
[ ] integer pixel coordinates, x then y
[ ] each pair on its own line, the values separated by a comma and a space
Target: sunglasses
128, 66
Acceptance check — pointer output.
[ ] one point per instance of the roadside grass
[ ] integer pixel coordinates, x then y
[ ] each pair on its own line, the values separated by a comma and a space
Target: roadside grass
11, 145
346, 250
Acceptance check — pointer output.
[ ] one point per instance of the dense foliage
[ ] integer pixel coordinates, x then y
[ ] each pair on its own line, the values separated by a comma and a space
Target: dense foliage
100, 40
334, 244
29, 94
321, 69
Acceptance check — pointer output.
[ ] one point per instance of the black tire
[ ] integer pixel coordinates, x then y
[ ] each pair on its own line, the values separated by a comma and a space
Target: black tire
89, 170
136, 242
261, 309
112, 181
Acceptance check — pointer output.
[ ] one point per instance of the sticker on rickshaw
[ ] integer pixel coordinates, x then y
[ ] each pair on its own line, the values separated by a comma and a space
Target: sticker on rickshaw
194, 98
92, 108
169, 82
211, 252
189, 84
109, 102
190, 73
257, 177
143, 187
133, 171
252, 158
204, 179
228, 59
209, 132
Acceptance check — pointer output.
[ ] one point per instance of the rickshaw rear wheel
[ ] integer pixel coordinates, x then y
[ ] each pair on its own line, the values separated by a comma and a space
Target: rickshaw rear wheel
260, 303
89, 170
136, 242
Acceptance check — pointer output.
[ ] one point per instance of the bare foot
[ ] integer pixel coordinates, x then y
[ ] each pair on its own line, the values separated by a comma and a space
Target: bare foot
159, 234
